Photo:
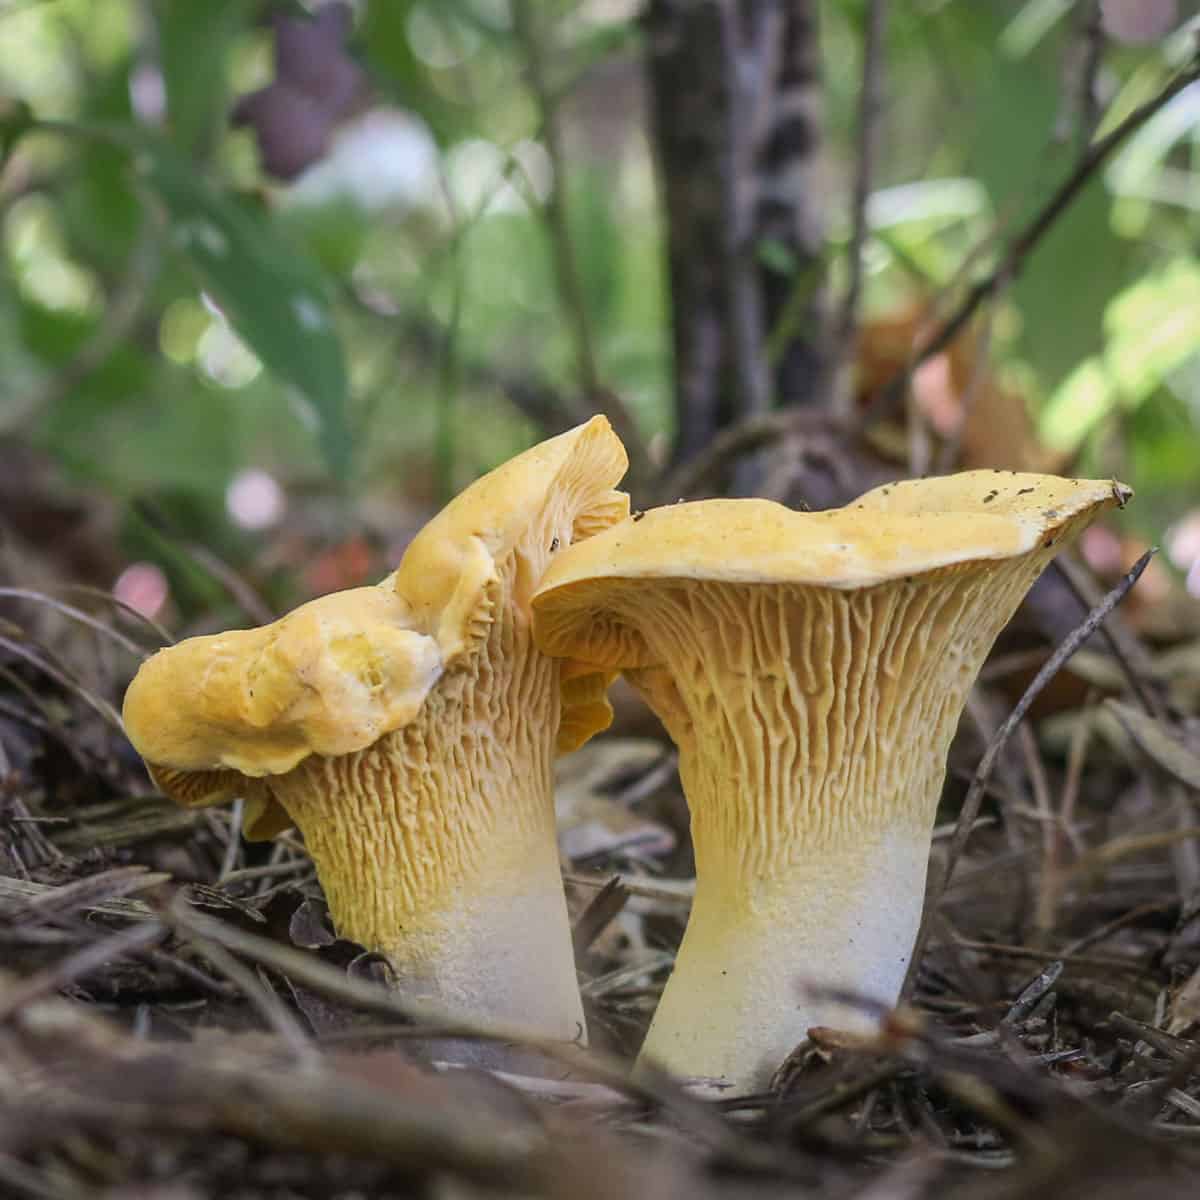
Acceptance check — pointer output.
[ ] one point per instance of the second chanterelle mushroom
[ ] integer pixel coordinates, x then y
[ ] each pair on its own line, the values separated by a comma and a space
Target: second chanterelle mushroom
812, 668
408, 730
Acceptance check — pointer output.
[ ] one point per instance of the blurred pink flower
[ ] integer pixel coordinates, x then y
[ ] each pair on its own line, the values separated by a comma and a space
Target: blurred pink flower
254, 500
1138, 21
144, 587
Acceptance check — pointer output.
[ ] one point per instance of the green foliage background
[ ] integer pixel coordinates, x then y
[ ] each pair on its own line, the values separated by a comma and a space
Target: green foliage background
169, 316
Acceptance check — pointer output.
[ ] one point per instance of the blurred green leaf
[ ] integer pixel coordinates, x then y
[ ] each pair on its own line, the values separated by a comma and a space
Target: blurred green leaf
16, 117
194, 35
1152, 328
1019, 152
598, 241
383, 36
335, 232
274, 296
101, 210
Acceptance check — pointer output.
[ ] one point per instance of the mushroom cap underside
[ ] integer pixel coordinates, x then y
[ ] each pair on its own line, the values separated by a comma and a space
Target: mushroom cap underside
339, 672
892, 533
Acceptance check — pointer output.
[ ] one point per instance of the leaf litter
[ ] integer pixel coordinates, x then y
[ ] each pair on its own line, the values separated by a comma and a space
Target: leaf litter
178, 1018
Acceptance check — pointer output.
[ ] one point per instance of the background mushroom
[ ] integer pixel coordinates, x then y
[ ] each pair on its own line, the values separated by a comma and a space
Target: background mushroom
811, 668
408, 730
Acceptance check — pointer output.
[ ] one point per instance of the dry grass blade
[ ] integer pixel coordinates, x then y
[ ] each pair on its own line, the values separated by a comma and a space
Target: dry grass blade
66, 681
603, 908
670, 891
310, 972
16, 894
1093, 864
76, 966
117, 604
262, 998
27, 1182
77, 615
91, 892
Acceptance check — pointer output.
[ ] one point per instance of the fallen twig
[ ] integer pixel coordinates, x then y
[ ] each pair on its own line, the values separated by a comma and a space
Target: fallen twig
974, 798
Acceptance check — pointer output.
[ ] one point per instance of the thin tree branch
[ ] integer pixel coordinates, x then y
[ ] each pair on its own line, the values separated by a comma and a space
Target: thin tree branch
570, 285
983, 773
870, 109
1012, 261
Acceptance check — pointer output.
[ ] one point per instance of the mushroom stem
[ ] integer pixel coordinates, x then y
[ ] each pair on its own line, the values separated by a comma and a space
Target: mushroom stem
451, 870
812, 736
759, 966
811, 668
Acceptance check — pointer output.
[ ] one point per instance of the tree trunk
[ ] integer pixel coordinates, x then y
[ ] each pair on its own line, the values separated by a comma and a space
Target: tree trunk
737, 122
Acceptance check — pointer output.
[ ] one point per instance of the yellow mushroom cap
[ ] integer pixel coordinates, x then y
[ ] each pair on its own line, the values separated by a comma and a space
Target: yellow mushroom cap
891, 533
339, 672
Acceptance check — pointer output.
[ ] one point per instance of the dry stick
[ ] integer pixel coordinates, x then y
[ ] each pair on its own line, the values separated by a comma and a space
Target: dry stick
1101, 932
260, 997
312, 973
79, 964
570, 286
1124, 646
1087, 961
1048, 883
196, 1089
975, 793
244, 595
1175, 1048
1076, 758
729, 444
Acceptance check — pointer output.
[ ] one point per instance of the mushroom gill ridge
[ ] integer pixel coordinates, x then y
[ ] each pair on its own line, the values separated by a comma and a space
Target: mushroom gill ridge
829, 712
466, 784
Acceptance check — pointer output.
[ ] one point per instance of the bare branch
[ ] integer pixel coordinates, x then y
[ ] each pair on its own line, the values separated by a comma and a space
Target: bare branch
570, 285
983, 773
1012, 261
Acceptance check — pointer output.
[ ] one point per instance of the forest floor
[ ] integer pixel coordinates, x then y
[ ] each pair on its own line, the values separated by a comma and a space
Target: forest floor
178, 1021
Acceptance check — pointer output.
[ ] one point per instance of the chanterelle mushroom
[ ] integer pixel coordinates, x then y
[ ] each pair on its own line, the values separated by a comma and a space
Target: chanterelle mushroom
408, 730
811, 668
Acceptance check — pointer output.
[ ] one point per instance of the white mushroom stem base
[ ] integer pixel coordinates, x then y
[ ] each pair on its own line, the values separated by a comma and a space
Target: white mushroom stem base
510, 945
490, 943
436, 847
755, 959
